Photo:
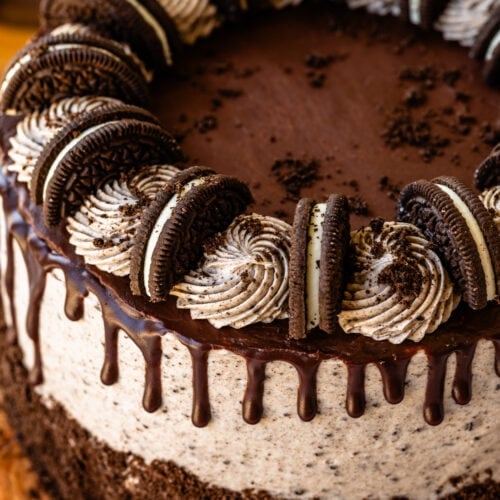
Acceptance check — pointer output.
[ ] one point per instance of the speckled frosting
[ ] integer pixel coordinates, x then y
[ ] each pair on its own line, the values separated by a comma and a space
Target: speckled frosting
244, 279
399, 288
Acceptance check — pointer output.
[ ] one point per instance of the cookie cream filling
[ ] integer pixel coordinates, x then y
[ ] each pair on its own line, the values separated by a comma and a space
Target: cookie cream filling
59, 158
159, 31
162, 219
414, 11
494, 44
315, 236
478, 237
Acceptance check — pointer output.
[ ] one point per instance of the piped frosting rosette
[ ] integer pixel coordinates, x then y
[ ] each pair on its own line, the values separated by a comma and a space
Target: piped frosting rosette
398, 288
487, 180
193, 18
103, 230
244, 279
379, 7
35, 131
491, 200
462, 20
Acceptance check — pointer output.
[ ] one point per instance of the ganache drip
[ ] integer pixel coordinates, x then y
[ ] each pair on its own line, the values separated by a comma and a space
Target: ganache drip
305, 357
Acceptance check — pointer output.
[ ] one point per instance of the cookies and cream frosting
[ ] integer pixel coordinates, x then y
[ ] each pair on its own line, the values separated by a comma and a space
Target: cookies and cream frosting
462, 20
398, 288
491, 200
193, 18
244, 279
379, 7
103, 230
35, 131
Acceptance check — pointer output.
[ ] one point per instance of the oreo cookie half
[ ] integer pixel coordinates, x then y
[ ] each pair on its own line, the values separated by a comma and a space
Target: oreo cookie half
454, 219
487, 47
143, 24
320, 239
422, 12
488, 173
92, 149
194, 206
72, 64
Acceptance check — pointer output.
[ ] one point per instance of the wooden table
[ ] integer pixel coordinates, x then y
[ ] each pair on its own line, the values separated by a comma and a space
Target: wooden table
17, 480
12, 38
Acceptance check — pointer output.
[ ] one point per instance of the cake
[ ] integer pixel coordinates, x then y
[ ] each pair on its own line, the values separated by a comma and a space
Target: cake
237, 405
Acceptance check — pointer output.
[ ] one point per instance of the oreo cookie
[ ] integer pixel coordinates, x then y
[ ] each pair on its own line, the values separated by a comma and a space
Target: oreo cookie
422, 12
452, 217
71, 64
487, 174
487, 47
193, 207
320, 239
143, 24
92, 149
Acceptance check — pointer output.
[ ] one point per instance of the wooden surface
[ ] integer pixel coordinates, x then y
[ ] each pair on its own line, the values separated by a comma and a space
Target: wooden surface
12, 38
17, 480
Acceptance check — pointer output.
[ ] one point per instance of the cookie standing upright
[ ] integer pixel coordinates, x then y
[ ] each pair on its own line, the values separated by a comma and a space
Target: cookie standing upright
454, 219
69, 64
153, 36
487, 48
193, 207
73, 63
92, 149
320, 240
487, 173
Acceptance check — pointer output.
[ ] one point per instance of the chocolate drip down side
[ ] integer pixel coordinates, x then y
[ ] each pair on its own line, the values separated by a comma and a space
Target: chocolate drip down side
40, 260
258, 345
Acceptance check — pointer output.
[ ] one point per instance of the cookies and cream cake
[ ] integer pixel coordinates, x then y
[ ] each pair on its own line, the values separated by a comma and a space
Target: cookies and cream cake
304, 318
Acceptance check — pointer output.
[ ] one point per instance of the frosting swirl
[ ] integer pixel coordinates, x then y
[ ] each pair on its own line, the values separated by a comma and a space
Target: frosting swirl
35, 131
491, 200
193, 18
379, 7
398, 288
462, 20
244, 280
103, 230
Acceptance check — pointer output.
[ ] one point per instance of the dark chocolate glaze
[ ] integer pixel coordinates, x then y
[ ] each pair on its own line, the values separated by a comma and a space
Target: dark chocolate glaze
253, 406
462, 390
146, 323
393, 372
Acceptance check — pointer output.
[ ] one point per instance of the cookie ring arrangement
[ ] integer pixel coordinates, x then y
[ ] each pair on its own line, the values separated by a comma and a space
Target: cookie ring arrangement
130, 210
